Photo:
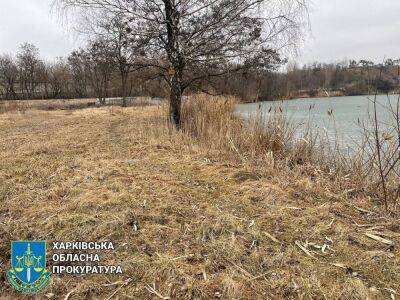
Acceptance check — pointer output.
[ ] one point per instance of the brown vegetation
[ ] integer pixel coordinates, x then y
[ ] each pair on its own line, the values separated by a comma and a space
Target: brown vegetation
217, 210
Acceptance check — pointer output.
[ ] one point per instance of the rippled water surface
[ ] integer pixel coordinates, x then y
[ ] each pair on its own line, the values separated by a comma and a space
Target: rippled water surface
339, 118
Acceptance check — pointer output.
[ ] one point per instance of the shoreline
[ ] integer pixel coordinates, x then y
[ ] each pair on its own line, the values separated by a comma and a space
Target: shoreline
320, 97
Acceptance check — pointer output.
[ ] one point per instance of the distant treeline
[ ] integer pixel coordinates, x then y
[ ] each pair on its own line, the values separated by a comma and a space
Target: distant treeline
347, 78
92, 72
95, 72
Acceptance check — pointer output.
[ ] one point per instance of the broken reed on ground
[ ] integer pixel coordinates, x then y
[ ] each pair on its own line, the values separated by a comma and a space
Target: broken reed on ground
371, 169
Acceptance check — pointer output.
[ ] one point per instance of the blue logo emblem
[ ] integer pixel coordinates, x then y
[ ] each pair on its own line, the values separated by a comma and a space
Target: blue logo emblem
28, 272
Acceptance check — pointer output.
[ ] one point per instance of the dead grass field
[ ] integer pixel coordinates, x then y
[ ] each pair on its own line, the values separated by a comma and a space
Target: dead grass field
208, 226
54, 104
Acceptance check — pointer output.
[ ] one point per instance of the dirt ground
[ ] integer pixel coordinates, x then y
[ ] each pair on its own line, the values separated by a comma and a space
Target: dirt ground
186, 222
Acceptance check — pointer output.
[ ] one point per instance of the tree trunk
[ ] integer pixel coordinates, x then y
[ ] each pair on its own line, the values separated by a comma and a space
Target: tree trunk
175, 100
124, 78
176, 60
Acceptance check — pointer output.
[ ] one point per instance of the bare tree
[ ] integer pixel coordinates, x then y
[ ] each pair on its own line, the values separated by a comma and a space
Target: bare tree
114, 31
79, 79
58, 78
98, 67
8, 76
29, 65
190, 41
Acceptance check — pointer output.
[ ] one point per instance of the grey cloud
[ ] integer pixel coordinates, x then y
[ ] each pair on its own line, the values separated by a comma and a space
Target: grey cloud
353, 29
340, 29
32, 21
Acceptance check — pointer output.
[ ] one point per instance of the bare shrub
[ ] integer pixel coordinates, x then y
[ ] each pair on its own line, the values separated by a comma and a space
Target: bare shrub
382, 152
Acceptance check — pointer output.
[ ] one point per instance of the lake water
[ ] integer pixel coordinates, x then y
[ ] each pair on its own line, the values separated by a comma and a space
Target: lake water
338, 118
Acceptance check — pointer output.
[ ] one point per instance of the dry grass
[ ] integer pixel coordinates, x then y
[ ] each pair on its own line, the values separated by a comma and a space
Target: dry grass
20, 106
213, 221
266, 141
214, 123
53, 104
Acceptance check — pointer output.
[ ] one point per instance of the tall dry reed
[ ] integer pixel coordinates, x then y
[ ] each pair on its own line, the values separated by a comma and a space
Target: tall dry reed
372, 169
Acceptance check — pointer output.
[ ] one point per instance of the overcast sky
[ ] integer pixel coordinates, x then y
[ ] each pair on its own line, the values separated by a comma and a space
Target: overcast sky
339, 29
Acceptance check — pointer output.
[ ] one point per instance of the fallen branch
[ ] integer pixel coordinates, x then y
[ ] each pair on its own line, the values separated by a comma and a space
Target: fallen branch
125, 283
259, 276
152, 290
304, 249
69, 294
271, 237
379, 239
